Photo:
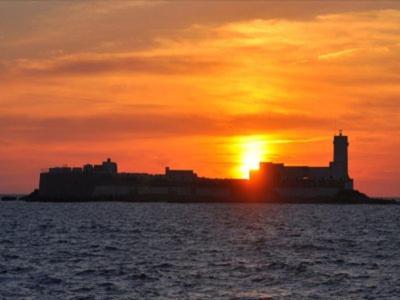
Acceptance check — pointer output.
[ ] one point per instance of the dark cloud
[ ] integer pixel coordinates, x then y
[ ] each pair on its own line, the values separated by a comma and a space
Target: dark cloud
131, 64
37, 29
98, 128
359, 79
3, 70
383, 103
119, 127
382, 110
278, 122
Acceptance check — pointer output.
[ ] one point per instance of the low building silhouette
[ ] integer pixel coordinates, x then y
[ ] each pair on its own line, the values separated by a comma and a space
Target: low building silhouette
272, 182
305, 181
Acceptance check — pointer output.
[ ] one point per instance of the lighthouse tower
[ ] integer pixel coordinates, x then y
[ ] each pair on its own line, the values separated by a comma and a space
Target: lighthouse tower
340, 164
340, 155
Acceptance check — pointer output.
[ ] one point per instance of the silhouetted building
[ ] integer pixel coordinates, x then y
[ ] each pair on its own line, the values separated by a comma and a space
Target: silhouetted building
180, 175
272, 180
109, 167
304, 180
88, 168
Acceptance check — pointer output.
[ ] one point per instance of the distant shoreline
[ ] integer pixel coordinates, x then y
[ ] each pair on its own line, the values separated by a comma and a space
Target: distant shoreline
355, 199
331, 201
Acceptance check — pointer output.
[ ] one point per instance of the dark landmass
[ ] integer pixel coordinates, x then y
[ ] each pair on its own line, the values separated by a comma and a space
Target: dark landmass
9, 198
344, 197
271, 183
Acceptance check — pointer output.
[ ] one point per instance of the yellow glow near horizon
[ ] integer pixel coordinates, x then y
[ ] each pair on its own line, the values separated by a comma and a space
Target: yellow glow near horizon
252, 151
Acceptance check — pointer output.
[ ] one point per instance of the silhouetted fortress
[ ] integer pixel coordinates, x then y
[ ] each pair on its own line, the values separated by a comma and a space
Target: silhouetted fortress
304, 181
270, 183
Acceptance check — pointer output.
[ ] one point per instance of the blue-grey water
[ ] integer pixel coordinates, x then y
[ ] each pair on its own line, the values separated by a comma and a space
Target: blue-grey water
198, 251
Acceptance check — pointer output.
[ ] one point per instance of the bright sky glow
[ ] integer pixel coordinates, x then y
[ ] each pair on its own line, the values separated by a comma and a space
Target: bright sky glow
157, 83
251, 150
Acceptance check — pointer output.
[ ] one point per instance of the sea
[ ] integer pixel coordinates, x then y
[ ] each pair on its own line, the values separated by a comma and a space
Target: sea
111, 250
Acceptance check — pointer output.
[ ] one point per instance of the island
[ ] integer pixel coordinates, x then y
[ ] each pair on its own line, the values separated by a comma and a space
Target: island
271, 183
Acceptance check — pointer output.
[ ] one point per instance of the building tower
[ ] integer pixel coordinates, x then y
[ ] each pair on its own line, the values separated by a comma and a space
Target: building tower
340, 164
340, 156
109, 166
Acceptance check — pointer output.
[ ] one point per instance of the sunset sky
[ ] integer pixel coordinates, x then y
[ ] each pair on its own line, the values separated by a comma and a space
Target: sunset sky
212, 86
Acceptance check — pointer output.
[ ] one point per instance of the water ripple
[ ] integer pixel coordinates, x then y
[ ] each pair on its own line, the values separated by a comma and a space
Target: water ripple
198, 251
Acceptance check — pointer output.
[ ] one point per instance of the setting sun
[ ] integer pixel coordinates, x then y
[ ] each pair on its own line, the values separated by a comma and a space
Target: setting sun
213, 86
252, 150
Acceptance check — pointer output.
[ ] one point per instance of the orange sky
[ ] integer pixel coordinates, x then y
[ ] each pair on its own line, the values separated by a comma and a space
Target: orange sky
199, 85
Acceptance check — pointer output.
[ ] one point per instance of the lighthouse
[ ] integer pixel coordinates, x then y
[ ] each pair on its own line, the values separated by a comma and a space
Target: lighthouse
340, 164
340, 155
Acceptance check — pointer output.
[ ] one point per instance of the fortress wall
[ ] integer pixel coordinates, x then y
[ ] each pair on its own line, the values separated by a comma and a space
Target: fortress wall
216, 192
300, 172
154, 190
320, 172
115, 191
70, 185
99, 191
307, 192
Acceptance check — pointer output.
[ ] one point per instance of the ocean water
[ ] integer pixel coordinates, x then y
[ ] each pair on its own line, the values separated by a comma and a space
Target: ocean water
198, 251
